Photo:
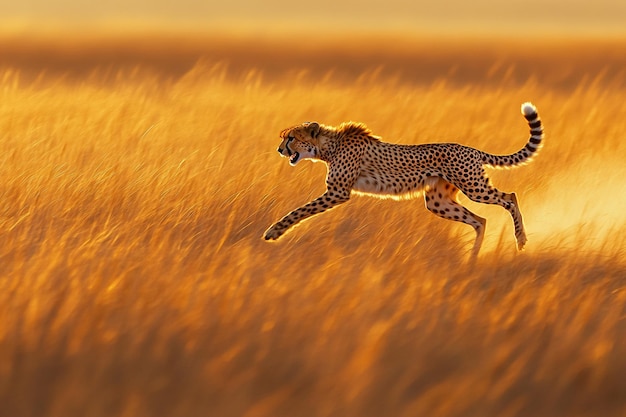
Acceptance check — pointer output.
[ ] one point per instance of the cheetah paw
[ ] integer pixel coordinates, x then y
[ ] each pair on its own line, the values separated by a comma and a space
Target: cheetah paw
273, 232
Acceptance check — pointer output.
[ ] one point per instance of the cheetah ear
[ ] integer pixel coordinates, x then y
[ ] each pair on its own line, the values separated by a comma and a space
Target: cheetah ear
314, 129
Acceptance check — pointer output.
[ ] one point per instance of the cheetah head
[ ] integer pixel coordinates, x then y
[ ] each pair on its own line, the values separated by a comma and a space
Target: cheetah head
300, 142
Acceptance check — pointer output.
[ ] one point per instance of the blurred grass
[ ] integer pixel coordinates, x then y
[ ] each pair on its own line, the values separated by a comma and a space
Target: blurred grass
135, 281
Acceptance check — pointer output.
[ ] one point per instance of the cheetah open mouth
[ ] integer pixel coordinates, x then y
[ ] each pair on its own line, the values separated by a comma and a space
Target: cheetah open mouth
294, 158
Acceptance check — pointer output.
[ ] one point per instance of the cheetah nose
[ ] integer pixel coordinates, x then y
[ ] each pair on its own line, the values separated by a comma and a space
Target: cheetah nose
280, 150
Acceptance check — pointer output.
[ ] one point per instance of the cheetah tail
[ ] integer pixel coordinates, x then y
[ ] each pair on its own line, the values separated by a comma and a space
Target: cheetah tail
525, 154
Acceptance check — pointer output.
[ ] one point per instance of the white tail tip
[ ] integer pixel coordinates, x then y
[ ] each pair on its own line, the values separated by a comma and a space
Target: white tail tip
528, 108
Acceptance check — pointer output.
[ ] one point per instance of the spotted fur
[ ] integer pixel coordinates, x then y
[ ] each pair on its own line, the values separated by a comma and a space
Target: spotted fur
360, 163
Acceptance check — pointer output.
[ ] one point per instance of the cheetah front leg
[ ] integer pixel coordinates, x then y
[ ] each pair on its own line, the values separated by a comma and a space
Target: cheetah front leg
322, 203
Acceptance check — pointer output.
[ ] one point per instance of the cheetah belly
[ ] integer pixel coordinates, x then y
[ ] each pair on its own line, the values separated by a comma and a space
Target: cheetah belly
403, 186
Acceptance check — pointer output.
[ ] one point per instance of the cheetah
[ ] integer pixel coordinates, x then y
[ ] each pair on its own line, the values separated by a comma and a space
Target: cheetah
360, 163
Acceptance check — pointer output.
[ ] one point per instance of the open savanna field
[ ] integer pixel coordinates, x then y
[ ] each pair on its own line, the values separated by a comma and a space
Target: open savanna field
137, 176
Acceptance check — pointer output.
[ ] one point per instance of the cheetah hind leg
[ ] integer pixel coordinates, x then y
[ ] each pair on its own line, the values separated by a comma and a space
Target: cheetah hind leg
487, 194
441, 200
518, 222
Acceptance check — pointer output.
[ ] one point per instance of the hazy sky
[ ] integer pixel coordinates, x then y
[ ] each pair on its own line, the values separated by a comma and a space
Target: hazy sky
447, 15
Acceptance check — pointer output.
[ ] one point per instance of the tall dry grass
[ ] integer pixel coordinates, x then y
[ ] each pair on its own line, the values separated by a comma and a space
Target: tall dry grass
135, 281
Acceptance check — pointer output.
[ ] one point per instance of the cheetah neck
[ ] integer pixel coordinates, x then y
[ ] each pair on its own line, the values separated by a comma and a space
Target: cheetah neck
327, 144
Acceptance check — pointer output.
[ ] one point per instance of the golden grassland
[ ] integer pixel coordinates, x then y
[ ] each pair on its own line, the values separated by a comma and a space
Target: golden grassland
134, 280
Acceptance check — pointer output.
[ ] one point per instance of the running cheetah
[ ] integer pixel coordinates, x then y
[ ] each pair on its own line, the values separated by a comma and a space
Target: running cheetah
359, 162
